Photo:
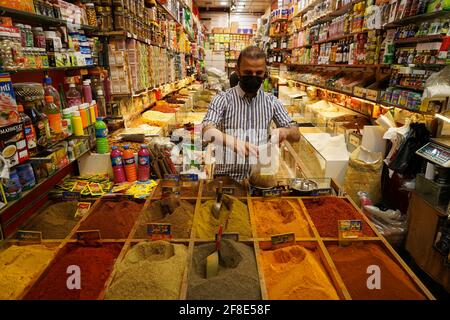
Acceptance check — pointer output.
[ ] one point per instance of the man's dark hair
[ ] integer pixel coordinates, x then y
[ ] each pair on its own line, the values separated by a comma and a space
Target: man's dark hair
252, 52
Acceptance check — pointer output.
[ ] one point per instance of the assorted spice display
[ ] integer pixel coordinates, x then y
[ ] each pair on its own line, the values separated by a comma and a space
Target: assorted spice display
353, 262
113, 219
149, 271
296, 272
95, 263
237, 277
280, 216
19, 267
325, 212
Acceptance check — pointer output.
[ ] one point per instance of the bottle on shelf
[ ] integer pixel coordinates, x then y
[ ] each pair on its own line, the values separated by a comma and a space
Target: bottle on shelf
30, 132
54, 116
50, 90
101, 133
129, 164
117, 165
77, 124
40, 123
87, 91
143, 163
73, 96
101, 104
67, 122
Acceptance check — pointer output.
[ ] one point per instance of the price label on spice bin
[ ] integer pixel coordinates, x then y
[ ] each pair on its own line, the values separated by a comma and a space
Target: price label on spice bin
172, 177
71, 196
189, 177
29, 236
159, 231
88, 235
229, 190
229, 235
350, 229
283, 238
271, 193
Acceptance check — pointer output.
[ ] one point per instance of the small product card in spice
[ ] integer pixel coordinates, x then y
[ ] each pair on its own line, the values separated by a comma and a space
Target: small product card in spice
80, 186
82, 209
88, 235
159, 231
284, 238
229, 235
29, 236
350, 229
71, 196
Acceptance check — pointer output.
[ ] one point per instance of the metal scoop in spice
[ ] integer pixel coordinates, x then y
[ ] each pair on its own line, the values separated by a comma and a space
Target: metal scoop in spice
218, 204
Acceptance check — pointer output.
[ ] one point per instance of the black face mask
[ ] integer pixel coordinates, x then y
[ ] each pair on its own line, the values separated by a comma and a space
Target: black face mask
250, 84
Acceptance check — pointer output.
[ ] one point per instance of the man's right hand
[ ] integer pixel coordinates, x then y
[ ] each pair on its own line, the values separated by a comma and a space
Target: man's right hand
245, 149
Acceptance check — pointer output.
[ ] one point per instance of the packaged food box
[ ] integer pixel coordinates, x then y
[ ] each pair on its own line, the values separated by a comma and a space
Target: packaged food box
13, 144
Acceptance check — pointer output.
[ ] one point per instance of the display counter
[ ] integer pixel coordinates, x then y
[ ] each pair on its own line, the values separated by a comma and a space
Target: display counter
123, 264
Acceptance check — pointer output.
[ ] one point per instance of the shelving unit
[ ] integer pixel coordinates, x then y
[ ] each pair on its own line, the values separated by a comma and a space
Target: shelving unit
30, 17
50, 69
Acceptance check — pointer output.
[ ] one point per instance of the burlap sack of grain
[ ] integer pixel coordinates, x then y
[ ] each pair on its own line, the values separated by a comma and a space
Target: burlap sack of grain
364, 175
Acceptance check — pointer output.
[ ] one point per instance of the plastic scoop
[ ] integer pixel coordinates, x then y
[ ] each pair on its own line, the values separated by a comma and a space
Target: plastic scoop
218, 204
212, 261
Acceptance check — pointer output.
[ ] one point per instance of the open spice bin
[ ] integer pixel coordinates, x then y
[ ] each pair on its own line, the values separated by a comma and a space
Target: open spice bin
323, 247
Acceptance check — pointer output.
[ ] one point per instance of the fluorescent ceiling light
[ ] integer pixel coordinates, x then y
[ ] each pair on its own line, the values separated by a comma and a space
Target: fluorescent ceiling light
223, 3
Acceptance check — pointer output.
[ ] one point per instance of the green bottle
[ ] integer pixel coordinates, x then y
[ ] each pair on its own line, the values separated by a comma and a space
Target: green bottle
101, 132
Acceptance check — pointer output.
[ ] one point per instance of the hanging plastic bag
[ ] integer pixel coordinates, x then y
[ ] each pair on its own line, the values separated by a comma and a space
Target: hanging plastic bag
437, 85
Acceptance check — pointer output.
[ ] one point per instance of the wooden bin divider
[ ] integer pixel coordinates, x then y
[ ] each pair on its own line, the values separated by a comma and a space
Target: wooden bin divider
328, 262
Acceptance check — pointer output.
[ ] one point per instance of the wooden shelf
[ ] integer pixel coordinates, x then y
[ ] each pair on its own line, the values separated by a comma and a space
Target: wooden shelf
430, 38
50, 69
342, 65
42, 20
418, 18
388, 104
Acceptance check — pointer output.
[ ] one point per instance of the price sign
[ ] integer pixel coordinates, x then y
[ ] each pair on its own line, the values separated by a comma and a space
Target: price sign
283, 238
71, 196
88, 235
229, 235
159, 231
350, 229
29, 236
271, 193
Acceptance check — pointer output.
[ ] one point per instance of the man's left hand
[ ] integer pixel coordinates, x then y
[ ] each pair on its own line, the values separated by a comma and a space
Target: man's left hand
279, 135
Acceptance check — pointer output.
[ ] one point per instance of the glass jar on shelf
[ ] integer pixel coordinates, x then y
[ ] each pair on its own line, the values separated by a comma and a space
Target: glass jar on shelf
91, 15
39, 37
119, 19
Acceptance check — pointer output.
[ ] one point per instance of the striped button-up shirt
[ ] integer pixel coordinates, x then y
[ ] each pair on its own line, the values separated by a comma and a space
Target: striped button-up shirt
247, 119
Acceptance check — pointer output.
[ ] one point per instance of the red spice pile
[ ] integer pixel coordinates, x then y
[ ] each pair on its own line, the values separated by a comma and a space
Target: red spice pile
327, 211
352, 263
114, 219
96, 264
164, 108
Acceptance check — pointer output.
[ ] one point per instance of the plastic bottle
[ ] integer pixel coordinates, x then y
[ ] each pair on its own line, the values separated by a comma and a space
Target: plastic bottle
54, 115
84, 115
50, 90
40, 123
117, 165
94, 103
92, 106
30, 132
67, 122
101, 103
101, 132
77, 124
129, 164
87, 91
73, 96
143, 163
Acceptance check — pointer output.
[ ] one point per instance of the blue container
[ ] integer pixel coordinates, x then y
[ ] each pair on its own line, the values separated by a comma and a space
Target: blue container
26, 176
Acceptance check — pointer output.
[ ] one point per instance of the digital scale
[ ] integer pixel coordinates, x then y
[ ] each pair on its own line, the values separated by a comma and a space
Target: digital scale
437, 152
434, 185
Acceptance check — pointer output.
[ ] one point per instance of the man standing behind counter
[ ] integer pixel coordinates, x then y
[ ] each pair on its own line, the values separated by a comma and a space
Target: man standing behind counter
239, 119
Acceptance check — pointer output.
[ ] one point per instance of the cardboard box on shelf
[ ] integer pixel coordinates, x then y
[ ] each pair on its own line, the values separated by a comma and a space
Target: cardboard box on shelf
13, 145
226, 30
